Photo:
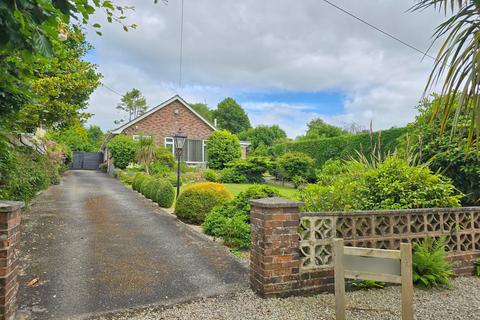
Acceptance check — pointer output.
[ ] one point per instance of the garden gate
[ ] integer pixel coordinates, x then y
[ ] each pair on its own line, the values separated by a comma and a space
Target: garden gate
86, 160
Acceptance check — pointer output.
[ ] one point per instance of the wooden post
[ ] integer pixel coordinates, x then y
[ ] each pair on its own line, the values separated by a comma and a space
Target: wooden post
407, 281
339, 279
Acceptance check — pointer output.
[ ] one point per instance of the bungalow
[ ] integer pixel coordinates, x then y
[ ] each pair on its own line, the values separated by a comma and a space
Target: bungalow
163, 121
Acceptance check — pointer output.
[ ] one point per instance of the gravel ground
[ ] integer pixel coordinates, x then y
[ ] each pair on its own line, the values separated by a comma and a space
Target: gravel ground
461, 301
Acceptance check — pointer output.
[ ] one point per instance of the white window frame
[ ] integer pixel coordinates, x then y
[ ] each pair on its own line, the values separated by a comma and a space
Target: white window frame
170, 141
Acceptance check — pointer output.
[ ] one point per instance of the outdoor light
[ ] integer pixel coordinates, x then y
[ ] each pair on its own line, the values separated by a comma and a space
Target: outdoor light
179, 141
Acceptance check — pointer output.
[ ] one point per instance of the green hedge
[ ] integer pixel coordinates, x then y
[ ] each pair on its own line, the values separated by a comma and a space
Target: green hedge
342, 147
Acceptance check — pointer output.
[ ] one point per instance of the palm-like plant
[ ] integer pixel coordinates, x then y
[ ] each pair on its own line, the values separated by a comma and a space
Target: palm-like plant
146, 152
457, 61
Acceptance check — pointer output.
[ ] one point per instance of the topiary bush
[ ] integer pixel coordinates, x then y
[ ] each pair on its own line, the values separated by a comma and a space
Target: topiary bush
165, 193
430, 268
231, 221
123, 149
295, 165
144, 185
149, 188
198, 199
222, 147
249, 170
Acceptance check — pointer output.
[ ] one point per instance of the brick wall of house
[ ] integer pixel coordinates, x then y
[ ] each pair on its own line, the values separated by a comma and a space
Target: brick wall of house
169, 120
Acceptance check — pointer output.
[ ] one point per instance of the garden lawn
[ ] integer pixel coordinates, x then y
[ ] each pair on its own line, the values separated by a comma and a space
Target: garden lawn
289, 193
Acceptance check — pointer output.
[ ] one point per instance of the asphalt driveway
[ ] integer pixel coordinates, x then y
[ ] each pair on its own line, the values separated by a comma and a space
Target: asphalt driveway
97, 246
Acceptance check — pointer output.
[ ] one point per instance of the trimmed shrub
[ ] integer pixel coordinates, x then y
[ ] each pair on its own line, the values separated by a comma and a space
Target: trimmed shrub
138, 181
149, 188
123, 149
197, 200
343, 147
211, 175
165, 193
250, 170
144, 185
230, 175
295, 164
430, 268
222, 147
231, 221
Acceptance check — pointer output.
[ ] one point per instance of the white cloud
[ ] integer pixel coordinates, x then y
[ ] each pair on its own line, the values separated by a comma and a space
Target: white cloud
232, 47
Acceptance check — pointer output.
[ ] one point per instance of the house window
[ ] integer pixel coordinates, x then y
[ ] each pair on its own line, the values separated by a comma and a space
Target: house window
194, 151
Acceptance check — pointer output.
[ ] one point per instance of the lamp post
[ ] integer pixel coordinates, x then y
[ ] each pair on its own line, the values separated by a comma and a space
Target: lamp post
179, 140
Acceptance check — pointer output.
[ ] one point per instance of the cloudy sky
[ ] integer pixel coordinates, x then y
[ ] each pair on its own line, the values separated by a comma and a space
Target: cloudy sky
285, 62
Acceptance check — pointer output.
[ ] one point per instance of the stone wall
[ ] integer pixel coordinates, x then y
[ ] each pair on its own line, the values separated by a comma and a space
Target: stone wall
292, 254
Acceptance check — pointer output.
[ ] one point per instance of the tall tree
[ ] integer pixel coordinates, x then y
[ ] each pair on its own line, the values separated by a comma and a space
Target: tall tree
133, 103
203, 110
263, 135
231, 116
457, 62
30, 31
317, 128
61, 86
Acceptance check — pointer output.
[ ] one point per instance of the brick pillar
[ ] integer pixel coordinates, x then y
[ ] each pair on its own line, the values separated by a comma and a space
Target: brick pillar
274, 257
9, 243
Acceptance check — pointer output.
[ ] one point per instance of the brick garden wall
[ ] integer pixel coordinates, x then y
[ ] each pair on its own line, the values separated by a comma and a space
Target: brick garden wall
291, 251
9, 246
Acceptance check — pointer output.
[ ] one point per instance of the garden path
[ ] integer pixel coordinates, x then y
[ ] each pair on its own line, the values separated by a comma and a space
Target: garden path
97, 246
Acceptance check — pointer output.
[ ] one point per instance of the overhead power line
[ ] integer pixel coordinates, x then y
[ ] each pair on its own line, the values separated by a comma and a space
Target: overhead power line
379, 30
181, 51
112, 90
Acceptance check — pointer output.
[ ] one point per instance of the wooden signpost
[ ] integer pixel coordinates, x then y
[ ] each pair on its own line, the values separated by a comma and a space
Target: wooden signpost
393, 266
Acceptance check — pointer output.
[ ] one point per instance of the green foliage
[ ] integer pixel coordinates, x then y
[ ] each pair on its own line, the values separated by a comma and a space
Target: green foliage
203, 110
165, 193
123, 149
343, 147
198, 199
262, 135
231, 116
295, 165
133, 103
145, 152
317, 128
392, 184
103, 167
230, 175
149, 188
211, 175
430, 268
477, 267
75, 138
250, 170
138, 181
222, 147
448, 154
460, 42
164, 157
230, 220
95, 137
24, 172
158, 168
61, 87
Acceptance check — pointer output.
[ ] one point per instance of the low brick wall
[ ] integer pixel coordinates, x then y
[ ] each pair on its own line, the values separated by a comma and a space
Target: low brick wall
9, 246
292, 255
